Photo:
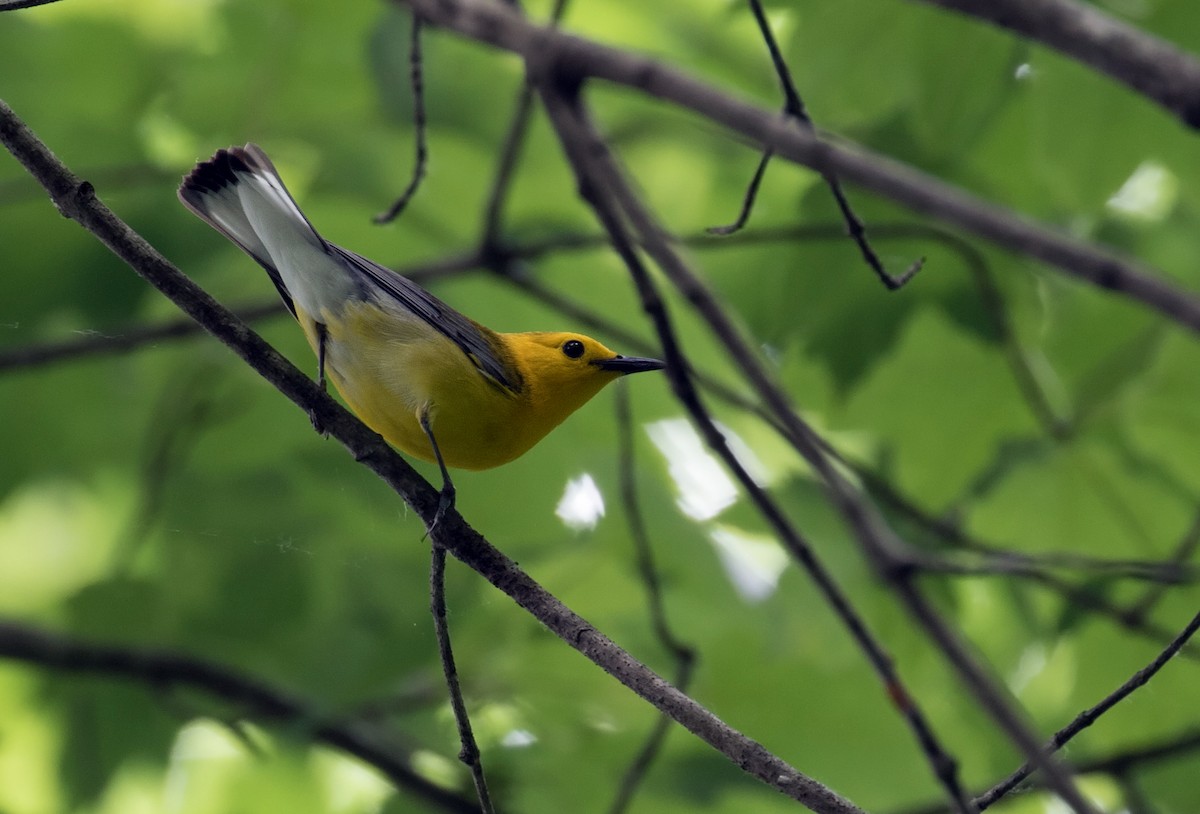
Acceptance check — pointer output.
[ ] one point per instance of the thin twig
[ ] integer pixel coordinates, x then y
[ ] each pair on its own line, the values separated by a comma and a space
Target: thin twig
683, 654
1185, 744
1033, 567
415, 67
1089, 716
469, 751
1015, 563
419, 693
748, 199
1075, 596
182, 413
163, 668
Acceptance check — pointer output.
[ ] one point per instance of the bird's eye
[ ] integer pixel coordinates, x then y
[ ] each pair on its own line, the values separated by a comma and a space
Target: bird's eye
573, 348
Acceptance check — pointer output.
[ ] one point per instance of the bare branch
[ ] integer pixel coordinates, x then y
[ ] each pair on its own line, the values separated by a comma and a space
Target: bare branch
1092, 601
161, 668
1155, 68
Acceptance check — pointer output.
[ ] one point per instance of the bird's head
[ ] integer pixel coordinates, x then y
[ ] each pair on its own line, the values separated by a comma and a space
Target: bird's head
564, 370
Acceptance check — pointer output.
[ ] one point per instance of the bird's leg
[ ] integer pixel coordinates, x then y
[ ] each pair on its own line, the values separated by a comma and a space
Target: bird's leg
322, 336
446, 498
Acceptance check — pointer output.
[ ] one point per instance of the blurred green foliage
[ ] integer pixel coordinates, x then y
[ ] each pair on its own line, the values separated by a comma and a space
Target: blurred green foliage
168, 497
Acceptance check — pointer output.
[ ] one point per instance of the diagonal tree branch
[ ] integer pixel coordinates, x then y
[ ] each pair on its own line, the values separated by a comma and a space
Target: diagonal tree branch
603, 187
1155, 68
76, 199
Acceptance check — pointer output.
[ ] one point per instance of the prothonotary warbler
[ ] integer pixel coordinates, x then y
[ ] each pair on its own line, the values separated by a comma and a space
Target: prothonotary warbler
434, 383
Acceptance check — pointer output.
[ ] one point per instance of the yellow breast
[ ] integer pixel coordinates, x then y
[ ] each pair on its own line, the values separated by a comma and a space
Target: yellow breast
390, 368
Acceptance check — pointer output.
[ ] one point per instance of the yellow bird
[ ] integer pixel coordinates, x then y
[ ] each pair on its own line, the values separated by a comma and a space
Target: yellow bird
434, 383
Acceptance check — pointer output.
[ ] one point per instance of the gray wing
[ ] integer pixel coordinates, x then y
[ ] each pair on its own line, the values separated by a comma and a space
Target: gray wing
453, 325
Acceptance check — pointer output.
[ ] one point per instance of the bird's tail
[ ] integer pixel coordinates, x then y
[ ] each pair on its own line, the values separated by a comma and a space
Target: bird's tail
239, 193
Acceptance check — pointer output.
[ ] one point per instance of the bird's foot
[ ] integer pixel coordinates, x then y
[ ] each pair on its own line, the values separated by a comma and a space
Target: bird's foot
317, 423
445, 504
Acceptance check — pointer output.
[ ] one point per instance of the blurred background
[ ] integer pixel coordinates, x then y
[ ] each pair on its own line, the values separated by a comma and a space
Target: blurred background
157, 493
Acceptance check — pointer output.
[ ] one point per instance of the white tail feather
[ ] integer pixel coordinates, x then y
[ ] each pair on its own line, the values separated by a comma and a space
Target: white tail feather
239, 193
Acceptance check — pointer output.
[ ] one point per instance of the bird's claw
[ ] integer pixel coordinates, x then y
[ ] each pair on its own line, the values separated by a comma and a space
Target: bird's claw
317, 423
445, 504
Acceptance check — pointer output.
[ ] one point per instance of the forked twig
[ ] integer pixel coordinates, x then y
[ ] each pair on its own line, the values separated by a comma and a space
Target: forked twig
793, 107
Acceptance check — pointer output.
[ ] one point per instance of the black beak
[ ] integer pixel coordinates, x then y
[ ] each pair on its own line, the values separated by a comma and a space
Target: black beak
628, 364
